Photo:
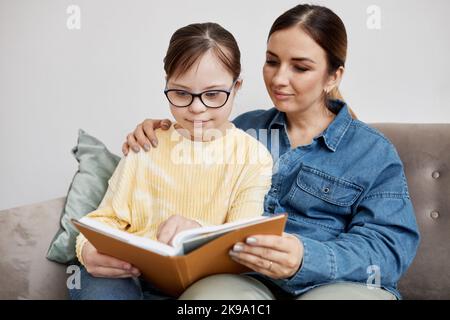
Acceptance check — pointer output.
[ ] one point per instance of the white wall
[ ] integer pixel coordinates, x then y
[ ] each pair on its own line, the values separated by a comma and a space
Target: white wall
108, 76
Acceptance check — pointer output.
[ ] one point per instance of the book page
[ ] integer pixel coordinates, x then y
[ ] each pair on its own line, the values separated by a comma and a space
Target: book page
138, 241
203, 232
195, 242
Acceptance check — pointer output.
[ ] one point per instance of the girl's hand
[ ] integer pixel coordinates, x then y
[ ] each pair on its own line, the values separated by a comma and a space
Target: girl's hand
103, 266
174, 225
278, 257
144, 135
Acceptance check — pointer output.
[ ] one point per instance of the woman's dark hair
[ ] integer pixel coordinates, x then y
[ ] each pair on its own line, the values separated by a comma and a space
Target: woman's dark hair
191, 42
326, 29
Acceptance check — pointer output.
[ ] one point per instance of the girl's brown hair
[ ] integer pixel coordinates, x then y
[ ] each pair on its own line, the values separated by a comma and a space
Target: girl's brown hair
326, 29
191, 42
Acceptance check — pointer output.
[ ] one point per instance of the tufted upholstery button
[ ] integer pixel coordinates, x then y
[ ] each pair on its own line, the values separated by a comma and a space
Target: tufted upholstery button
436, 175
434, 215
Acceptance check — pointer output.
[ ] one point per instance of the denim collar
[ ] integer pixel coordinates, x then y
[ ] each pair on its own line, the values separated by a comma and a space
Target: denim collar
278, 120
333, 135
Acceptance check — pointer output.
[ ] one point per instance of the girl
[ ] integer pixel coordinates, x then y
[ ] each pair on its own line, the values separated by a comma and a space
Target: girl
207, 172
351, 232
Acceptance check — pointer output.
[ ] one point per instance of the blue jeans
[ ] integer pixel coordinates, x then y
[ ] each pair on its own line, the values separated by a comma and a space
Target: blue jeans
93, 288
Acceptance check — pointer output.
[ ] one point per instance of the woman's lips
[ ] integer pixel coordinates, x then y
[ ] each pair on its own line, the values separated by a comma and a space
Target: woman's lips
282, 95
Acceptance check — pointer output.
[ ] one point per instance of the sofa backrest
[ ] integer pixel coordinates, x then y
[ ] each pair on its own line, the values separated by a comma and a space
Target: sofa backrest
423, 148
425, 152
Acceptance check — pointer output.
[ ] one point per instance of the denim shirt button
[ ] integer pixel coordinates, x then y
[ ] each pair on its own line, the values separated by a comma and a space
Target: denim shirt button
326, 190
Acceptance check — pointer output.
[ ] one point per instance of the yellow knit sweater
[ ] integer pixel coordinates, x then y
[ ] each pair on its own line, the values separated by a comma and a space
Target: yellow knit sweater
211, 182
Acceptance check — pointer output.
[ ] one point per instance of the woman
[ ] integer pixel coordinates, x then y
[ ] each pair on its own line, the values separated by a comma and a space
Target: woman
351, 232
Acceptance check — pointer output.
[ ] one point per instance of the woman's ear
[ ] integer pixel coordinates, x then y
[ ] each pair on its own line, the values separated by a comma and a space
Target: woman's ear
334, 80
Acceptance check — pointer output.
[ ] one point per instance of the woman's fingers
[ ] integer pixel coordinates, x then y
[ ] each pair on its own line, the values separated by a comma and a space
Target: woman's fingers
280, 256
263, 267
258, 255
252, 259
280, 243
144, 139
145, 133
125, 149
272, 268
165, 124
132, 143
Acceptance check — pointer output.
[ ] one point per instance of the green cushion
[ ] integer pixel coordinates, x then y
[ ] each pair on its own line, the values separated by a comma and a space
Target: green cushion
89, 185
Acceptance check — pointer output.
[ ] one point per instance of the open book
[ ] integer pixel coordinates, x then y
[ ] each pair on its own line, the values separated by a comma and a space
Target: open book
196, 253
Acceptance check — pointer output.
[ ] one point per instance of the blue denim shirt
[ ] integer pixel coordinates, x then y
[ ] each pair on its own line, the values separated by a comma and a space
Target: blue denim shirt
347, 200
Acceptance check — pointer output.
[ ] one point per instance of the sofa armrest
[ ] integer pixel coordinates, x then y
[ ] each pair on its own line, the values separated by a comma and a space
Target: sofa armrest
27, 231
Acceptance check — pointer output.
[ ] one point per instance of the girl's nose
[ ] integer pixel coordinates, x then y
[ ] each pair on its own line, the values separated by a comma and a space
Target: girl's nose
197, 106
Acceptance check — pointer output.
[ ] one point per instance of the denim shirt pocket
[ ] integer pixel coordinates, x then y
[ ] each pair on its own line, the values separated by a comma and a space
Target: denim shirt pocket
325, 199
331, 189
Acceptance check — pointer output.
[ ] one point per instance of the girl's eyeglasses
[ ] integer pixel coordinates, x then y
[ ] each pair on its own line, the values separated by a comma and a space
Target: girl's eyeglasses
210, 98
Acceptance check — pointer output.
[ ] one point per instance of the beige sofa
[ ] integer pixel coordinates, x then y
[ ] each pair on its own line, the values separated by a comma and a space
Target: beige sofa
26, 232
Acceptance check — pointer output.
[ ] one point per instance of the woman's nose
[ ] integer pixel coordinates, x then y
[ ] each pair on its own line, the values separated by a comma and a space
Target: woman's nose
281, 78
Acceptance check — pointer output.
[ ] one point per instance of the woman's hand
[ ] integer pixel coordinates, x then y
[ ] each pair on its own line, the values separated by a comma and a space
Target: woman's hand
174, 225
278, 257
144, 135
103, 266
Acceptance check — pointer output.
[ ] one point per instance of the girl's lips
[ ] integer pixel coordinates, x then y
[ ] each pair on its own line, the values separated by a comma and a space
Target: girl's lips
198, 122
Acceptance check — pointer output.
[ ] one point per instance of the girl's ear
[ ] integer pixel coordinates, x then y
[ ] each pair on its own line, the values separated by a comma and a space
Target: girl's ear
239, 84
